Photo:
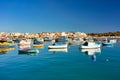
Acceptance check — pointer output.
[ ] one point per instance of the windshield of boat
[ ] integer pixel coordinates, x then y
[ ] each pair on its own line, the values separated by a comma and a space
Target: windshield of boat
85, 44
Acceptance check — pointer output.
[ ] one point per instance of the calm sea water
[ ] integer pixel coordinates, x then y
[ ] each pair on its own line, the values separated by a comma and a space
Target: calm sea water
70, 64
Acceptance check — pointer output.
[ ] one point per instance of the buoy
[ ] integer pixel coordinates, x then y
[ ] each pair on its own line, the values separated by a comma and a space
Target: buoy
107, 59
94, 58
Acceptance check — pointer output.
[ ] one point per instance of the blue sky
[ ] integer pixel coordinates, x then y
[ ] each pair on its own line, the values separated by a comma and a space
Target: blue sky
59, 15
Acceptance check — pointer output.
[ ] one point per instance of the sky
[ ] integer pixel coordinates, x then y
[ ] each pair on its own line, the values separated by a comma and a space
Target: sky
35, 16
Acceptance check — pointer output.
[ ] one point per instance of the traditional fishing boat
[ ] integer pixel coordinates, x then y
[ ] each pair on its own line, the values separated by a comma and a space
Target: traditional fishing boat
57, 46
11, 43
28, 50
4, 43
90, 45
108, 44
24, 43
37, 44
46, 39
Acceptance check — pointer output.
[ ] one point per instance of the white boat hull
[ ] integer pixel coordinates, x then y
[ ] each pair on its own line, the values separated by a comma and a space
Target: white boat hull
57, 46
90, 47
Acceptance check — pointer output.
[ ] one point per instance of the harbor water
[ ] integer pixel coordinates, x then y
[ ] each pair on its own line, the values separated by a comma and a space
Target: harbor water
68, 64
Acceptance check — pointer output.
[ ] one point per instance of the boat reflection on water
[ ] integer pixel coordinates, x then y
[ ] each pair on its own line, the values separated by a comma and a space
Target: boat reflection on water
31, 54
91, 52
58, 50
11, 49
5, 50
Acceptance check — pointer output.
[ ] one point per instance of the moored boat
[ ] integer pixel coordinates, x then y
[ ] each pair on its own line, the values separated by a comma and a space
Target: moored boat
11, 43
90, 45
24, 43
107, 44
37, 44
57, 46
28, 50
4, 44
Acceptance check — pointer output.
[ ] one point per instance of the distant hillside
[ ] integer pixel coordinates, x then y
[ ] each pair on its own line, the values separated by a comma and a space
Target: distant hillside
117, 33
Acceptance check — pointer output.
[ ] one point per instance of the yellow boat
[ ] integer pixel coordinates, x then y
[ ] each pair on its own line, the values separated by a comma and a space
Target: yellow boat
38, 46
4, 50
4, 44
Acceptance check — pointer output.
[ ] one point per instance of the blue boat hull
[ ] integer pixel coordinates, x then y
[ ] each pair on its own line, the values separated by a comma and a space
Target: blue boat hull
107, 44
